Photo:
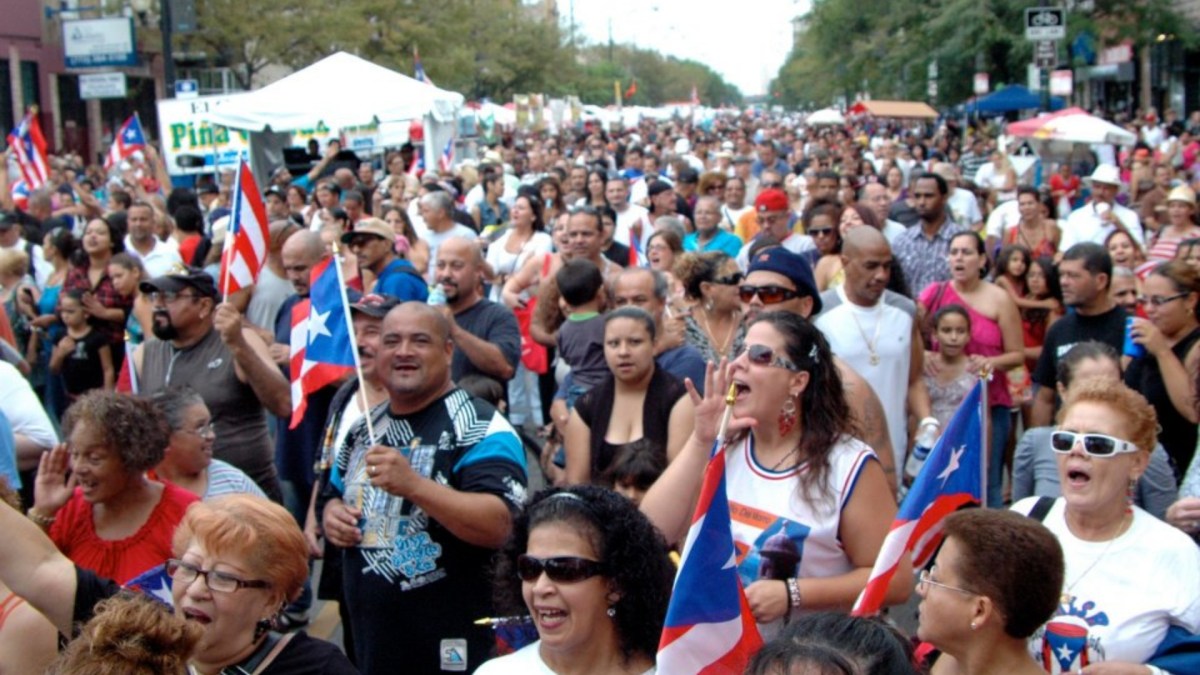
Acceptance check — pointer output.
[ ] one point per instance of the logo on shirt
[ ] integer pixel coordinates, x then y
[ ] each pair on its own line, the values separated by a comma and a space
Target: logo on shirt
454, 655
1067, 643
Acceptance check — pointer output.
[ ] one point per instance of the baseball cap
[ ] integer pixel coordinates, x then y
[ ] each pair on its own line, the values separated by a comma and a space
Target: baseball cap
372, 226
375, 305
772, 199
791, 265
184, 278
657, 188
275, 190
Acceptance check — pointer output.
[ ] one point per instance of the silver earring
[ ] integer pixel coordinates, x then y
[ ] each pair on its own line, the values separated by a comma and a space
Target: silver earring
974, 625
612, 611
708, 306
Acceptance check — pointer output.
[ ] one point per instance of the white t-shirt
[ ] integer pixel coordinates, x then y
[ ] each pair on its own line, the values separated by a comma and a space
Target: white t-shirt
892, 229
765, 504
888, 326
1123, 594
626, 221
435, 239
964, 208
1004, 216
23, 409
162, 259
525, 661
1084, 224
505, 263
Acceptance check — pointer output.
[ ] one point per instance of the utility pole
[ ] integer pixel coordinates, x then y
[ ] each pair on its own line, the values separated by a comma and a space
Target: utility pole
610, 41
168, 54
1044, 74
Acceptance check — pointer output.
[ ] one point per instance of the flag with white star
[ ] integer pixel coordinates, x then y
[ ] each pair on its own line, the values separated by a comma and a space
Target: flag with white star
951, 478
129, 139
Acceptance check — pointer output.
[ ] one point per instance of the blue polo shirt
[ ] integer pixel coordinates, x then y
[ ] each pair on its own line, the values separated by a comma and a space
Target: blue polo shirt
724, 241
401, 280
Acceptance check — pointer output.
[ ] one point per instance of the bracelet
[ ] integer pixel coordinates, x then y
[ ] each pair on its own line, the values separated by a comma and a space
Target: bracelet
793, 586
38, 519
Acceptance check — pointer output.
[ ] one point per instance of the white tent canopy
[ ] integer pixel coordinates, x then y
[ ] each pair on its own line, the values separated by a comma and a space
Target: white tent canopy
828, 116
341, 91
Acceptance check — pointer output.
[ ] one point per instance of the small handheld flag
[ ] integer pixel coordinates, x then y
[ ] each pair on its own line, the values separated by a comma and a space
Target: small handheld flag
29, 149
128, 140
951, 478
446, 161
419, 70
248, 239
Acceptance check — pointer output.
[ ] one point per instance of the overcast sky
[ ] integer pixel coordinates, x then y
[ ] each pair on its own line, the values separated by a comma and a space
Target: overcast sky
746, 41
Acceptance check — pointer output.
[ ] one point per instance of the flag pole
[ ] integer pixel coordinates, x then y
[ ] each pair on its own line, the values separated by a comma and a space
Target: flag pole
230, 231
362, 381
985, 427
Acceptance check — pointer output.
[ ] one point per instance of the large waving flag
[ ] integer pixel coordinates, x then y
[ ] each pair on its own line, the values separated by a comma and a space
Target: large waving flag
321, 349
248, 238
129, 139
951, 479
29, 149
709, 628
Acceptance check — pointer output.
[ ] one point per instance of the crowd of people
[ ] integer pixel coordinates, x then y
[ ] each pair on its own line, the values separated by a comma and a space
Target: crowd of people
547, 337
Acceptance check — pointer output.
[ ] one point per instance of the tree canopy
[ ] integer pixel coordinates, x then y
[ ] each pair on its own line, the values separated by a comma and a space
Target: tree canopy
885, 48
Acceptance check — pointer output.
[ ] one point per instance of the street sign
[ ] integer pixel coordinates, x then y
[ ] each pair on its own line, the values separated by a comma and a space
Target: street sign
1061, 83
102, 85
982, 84
1045, 23
187, 89
1045, 54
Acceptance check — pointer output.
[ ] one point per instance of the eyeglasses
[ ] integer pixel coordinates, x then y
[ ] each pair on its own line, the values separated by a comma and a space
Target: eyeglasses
566, 569
206, 431
1159, 301
1094, 445
762, 355
770, 295
820, 231
169, 297
767, 186
729, 279
184, 573
924, 582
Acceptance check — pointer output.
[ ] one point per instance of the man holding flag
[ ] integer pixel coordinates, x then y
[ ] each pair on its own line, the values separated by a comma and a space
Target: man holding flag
202, 343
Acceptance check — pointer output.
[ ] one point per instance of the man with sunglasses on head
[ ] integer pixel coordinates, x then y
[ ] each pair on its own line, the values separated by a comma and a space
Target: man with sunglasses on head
1035, 465
774, 215
373, 242
782, 281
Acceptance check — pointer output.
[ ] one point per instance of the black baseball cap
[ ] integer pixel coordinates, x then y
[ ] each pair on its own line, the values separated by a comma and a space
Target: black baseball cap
187, 277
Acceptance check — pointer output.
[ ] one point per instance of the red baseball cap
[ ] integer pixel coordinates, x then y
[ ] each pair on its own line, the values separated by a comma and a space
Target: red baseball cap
772, 199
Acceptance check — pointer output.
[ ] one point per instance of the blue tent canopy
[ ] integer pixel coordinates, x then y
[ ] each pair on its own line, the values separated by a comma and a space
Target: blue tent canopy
1012, 98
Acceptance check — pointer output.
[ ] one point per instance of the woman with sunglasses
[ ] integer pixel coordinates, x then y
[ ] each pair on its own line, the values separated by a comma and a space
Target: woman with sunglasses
593, 576
237, 560
813, 502
995, 581
820, 222
1166, 373
710, 282
1115, 606
188, 459
996, 344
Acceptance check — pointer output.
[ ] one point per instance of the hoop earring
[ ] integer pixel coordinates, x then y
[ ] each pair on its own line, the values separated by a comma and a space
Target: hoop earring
787, 416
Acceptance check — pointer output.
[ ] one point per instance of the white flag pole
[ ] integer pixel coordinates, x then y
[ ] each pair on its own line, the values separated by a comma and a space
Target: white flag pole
362, 382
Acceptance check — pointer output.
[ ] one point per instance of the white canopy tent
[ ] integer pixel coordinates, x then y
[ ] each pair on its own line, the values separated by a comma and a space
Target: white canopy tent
339, 91
825, 117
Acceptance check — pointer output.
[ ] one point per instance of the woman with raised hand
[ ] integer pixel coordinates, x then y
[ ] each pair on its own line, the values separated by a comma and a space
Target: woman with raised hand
812, 501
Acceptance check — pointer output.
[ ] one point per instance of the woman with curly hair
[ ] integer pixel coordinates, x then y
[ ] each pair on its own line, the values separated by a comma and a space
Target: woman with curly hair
812, 501
130, 635
710, 282
107, 516
593, 575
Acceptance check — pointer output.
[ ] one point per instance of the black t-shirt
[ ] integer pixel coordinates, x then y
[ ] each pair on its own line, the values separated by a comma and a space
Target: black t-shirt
1073, 328
303, 655
493, 322
1176, 433
81, 369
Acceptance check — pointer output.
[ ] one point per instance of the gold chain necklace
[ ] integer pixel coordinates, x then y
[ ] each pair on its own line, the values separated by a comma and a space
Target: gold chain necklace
712, 336
873, 342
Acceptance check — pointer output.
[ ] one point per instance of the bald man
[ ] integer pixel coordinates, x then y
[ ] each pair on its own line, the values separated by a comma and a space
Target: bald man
875, 331
487, 340
443, 476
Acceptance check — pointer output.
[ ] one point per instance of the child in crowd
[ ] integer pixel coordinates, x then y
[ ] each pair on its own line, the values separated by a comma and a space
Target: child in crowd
581, 337
635, 468
1012, 266
82, 357
952, 383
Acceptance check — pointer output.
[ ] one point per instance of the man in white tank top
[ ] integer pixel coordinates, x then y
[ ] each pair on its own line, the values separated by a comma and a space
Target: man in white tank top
875, 331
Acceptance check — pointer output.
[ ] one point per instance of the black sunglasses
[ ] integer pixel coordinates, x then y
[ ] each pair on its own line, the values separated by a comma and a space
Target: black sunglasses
819, 231
565, 569
770, 295
729, 279
762, 355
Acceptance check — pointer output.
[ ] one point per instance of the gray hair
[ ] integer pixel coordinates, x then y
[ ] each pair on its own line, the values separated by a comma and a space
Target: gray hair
661, 287
172, 403
440, 201
1121, 272
674, 223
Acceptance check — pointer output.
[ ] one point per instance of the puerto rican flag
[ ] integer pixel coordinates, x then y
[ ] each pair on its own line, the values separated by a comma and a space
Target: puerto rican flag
248, 238
709, 627
155, 584
20, 194
29, 149
419, 70
446, 161
951, 479
322, 352
417, 166
129, 139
